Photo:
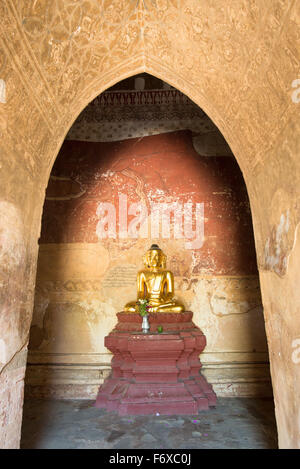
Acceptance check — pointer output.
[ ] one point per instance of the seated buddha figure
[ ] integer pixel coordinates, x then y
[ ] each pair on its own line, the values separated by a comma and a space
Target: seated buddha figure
156, 284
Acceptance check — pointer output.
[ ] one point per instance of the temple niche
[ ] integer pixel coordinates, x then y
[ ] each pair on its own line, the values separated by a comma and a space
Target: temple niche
155, 368
143, 164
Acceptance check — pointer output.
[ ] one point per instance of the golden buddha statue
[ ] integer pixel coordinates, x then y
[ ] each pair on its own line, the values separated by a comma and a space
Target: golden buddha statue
156, 285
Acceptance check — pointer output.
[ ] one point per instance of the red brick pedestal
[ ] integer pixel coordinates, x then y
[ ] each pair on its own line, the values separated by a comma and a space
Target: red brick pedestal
156, 373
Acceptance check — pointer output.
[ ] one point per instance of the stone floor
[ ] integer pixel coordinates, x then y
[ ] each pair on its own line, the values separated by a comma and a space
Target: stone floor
234, 423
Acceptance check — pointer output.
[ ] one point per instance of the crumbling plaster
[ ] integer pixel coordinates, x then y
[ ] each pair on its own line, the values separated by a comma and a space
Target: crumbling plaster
237, 60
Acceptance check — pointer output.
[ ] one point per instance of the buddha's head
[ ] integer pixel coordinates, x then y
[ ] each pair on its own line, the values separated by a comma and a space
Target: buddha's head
155, 258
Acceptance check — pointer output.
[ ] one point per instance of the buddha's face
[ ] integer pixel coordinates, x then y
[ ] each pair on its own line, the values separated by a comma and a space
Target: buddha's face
155, 259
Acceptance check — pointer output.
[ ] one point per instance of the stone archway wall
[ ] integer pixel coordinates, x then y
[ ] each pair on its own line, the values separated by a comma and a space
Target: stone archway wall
237, 60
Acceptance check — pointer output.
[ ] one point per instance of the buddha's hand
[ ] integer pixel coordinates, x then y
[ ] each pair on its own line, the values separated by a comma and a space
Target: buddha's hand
169, 296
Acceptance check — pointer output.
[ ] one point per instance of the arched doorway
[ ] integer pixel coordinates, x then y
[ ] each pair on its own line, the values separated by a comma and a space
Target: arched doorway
144, 141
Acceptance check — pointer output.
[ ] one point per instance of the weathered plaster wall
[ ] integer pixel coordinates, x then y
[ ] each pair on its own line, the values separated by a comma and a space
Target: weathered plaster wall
237, 60
285, 346
83, 279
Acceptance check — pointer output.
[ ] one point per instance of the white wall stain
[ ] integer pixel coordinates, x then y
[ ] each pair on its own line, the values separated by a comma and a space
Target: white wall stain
2, 91
2, 351
12, 248
275, 257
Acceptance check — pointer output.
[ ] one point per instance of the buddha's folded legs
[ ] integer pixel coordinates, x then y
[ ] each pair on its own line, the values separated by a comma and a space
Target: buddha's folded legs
131, 307
171, 307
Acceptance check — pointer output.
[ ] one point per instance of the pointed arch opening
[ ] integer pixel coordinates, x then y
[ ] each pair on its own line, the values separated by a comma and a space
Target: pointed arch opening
143, 140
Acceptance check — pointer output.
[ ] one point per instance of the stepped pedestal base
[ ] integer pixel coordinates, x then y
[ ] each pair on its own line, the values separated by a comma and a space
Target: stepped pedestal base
156, 373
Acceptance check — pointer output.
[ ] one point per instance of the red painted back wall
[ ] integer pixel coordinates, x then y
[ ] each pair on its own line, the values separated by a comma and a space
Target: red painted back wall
159, 168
